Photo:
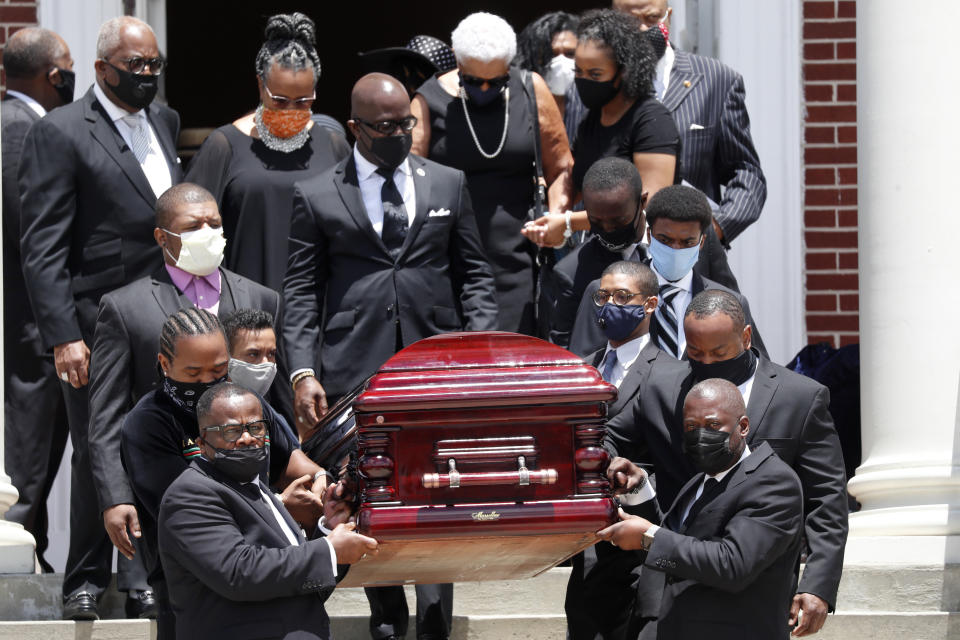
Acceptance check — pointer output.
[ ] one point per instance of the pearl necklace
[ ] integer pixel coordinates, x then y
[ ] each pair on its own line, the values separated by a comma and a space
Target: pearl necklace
506, 123
274, 143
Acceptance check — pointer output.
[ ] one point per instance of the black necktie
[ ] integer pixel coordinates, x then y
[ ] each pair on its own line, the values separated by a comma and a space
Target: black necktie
394, 214
705, 496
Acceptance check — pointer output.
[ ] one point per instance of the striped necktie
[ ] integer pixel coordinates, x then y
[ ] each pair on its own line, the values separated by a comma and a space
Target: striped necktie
139, 136
669, 336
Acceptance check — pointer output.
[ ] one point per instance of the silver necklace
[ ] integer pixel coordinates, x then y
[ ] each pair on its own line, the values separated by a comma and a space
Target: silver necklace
506, 123
284, 145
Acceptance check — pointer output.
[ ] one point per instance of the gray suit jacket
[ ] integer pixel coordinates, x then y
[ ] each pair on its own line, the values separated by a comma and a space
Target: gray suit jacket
123, 364
707, 93
87, 213
345, 296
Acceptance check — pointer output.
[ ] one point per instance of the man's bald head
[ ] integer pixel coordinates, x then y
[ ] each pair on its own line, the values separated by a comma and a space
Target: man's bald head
374, 93
31, 52
721, 393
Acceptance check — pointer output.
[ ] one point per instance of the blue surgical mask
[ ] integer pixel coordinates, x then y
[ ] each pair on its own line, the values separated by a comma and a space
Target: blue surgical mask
619, 322
673, 264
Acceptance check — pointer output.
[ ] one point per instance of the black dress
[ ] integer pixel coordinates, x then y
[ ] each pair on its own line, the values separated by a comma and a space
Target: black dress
253, 186
501, 188
647, 127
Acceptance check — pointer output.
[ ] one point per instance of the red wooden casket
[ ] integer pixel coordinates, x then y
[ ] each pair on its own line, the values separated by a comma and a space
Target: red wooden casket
479, 458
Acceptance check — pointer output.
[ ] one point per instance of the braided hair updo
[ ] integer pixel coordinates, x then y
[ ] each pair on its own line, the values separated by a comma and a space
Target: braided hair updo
187, 322
289, 41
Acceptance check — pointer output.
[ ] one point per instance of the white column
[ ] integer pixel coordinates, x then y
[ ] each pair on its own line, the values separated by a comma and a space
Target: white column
16, 544
909, 482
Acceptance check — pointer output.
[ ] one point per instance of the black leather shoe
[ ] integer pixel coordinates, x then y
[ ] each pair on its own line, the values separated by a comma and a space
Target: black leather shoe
141, 604
80, 606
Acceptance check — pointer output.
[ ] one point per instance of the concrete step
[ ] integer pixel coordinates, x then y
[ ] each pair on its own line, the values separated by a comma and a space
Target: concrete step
99, 630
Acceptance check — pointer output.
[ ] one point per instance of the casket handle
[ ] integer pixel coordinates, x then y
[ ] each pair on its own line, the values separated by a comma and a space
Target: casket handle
522, 477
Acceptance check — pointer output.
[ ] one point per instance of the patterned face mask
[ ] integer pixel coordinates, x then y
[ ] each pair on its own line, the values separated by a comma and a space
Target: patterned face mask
285, 123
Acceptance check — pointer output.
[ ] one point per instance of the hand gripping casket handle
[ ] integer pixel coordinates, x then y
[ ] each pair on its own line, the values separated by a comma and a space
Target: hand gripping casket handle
522, 477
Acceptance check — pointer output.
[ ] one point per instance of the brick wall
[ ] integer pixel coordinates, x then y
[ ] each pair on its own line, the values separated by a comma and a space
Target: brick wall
14, 15
830, 171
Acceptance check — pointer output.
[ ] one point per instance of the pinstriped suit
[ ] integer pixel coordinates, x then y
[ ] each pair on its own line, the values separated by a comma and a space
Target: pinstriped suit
705, 92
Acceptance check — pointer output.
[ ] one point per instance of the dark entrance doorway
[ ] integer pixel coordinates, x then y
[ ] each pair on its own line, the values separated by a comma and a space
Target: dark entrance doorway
212, 45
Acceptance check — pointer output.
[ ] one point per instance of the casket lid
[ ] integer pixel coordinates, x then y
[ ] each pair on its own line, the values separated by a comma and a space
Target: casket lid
482, 368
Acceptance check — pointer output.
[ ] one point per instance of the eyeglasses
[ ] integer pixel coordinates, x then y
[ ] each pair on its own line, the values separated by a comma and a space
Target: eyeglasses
386, 127
620, 297
138, 64
232, 432
283, 102
498, 83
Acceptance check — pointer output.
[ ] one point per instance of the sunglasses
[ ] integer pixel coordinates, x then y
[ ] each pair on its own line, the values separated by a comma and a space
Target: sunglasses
497, 83
138, 64
283, 102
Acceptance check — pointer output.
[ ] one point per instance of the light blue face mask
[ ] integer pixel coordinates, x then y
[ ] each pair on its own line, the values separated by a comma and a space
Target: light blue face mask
670, 263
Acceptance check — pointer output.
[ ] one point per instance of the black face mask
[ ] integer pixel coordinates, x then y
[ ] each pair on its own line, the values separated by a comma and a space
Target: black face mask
388, 151
240, 465
186, 394
594, 94
736, 370
68, 80
709, 450
136, 90
657, 40
618, 239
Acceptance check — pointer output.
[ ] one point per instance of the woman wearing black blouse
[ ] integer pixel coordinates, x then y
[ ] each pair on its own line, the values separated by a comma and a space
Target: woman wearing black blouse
252, 164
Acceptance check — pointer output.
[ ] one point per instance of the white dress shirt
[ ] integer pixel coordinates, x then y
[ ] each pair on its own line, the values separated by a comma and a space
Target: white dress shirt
154, 165
627, 354
30, 102
287, 531
680, 302
718, 477
747, 387
371, 185
662, 71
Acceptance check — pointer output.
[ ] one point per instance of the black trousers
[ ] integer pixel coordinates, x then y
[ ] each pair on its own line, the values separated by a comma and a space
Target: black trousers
389, 615
603, 600
90, 553
35, 435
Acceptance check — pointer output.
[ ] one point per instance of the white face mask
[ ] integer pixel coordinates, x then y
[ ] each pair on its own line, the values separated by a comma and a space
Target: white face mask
255, 377
559, 76
201, 251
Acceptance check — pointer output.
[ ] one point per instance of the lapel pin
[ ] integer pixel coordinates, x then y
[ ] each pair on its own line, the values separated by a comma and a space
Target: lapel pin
421, 172
686, 83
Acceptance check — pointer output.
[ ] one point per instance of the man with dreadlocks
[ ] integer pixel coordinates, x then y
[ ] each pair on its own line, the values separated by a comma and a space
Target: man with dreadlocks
158, 439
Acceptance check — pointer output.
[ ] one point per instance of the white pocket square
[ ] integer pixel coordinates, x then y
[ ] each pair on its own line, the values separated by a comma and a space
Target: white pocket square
439, 213
696, 127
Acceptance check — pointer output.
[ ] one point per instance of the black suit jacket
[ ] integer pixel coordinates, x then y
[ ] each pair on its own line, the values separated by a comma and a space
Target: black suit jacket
231, 571
786, 409
87, 213
729, 567
708, 94
21, 342
123, 364
563, 288
344, 295
587, 336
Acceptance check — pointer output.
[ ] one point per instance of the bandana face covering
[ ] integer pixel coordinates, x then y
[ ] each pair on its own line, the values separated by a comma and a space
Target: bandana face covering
186, 394
285, 123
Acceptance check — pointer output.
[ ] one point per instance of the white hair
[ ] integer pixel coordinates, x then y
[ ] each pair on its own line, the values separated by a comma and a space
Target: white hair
108, 39
484, 37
